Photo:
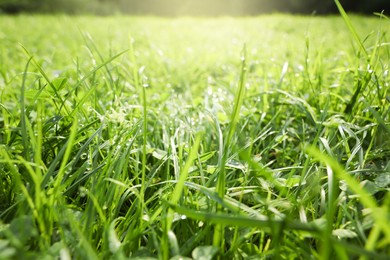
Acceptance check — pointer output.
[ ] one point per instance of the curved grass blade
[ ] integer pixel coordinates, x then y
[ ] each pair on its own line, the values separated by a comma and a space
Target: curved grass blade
243, 221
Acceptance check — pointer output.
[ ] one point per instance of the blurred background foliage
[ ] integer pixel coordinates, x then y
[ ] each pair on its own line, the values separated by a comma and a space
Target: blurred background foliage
189, 7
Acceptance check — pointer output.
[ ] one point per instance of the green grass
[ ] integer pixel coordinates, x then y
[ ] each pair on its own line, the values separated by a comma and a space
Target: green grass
225, 138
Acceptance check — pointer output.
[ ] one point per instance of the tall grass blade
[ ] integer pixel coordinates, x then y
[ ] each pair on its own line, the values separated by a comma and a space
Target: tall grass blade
361, 84
350, 26
64, 162
238, 101
48, 80
244, 221
23, 126
177, 192
92, 89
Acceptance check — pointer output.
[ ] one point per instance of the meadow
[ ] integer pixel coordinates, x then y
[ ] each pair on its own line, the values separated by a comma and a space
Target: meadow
194, 138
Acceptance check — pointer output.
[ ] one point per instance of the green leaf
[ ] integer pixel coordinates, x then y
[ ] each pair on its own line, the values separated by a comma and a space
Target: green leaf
293, 181
383, 180
250, 249
204, 252
159, 154
22, 229
179, 257
113, 242
59, 249
6, 252
59, 83
370, 187
344, 233
173, 242
206, 156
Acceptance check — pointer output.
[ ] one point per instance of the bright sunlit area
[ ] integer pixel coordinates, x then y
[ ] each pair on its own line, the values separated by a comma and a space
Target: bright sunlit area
219, 129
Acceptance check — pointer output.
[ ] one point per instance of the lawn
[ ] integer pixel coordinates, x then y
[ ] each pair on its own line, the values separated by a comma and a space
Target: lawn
206, 138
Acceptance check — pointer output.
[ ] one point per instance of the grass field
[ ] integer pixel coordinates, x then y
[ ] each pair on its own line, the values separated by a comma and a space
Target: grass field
234, 138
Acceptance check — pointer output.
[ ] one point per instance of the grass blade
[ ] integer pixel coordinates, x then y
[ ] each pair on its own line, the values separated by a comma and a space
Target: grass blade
243, 221
238, 101
351, 28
